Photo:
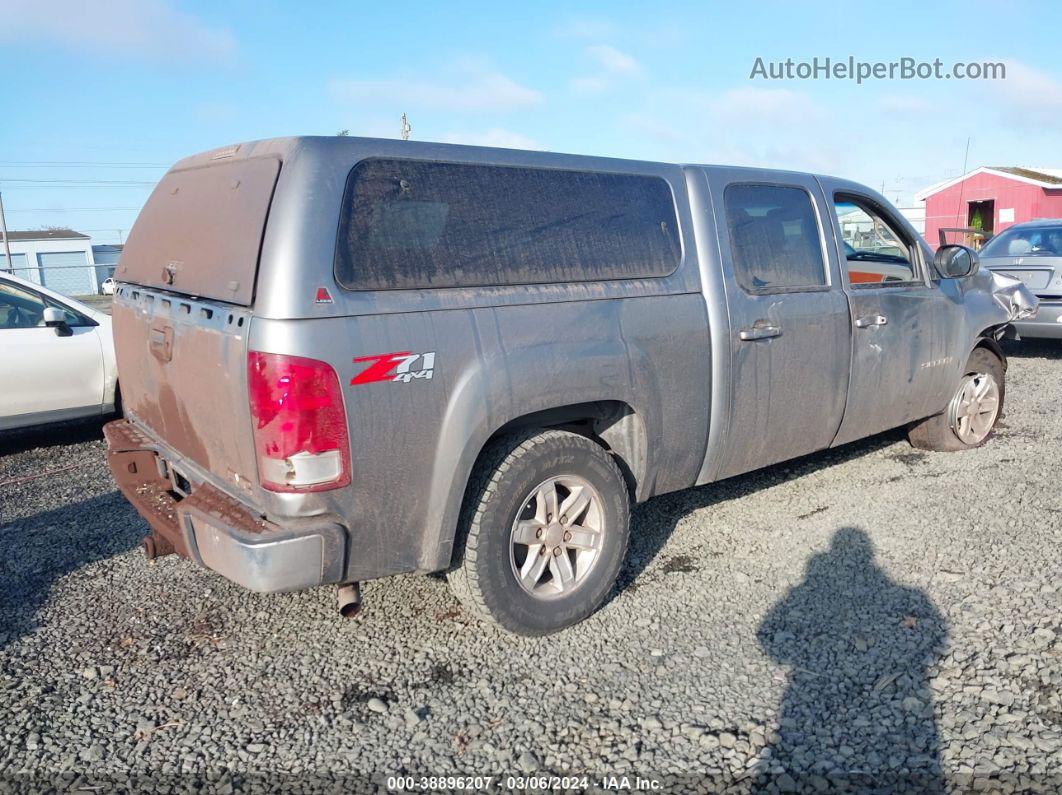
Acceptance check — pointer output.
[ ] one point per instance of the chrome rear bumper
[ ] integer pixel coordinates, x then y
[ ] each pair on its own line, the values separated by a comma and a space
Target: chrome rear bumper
216, 530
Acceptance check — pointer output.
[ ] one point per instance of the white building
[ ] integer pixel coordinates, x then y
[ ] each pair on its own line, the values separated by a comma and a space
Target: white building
106, 258
58, 258
917, 217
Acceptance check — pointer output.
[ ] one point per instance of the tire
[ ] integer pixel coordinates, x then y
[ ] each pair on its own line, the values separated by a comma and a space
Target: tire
508, 502
946, 432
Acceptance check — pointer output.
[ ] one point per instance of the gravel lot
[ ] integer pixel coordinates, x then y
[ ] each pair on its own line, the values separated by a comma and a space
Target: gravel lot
873, 617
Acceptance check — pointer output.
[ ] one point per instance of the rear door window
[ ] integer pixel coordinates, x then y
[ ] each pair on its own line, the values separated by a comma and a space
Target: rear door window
774, 238
419, 224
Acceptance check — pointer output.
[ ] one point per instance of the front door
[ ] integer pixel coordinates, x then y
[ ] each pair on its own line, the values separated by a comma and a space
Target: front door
904, 326
789, 322
47, 374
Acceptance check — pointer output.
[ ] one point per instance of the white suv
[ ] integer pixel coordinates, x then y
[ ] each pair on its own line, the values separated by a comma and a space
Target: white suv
57, 360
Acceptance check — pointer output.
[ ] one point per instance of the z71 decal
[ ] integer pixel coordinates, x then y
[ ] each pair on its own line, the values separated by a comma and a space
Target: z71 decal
395, 367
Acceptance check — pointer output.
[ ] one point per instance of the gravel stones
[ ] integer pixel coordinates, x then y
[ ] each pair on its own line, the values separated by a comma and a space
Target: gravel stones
377, 705
788, 661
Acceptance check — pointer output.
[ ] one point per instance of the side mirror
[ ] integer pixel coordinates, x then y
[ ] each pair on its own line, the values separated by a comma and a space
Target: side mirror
955, 262
56, 319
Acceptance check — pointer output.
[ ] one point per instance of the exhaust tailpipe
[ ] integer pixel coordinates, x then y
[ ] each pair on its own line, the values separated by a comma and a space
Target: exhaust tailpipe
349, 599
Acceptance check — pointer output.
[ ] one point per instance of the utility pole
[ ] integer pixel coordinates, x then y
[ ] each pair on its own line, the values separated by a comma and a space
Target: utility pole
406, 129
3, 228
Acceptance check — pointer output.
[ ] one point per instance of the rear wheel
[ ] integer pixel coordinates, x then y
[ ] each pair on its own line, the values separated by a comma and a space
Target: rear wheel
973, 411
544, 531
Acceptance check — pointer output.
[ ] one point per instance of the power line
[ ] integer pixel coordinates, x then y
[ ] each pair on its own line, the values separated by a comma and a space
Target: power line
138, 185
79, 181
80, 164
72, 209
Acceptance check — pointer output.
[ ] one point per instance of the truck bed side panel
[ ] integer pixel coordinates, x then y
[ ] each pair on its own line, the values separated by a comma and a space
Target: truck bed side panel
414, 443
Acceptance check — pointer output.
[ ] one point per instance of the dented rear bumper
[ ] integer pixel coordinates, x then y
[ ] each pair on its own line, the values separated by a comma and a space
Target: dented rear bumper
199, 521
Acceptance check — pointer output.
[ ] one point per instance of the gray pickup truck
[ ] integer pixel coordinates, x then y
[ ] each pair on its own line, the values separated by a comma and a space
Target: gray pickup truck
346, 358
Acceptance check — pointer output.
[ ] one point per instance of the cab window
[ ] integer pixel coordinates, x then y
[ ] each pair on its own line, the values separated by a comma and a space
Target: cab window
774, 238
876, 253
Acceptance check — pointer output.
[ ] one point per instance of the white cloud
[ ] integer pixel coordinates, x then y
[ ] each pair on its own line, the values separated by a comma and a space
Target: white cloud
770, 105
905, 104
150, 29
772, 128
1028, 96
614, 60
656, 127
588, 85
472, 85
495, 136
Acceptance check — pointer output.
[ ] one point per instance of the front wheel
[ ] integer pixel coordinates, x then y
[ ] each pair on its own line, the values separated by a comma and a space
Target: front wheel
544, 529
973, 411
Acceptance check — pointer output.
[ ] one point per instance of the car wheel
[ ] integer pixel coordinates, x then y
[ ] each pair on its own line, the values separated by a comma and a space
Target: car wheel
972, 412
543, 531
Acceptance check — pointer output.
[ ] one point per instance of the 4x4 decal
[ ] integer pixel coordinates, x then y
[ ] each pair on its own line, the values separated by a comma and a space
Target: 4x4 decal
395, 367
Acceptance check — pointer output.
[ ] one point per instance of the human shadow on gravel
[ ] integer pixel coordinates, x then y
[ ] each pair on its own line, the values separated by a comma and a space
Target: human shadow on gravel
653, 522
857, 714
37, 550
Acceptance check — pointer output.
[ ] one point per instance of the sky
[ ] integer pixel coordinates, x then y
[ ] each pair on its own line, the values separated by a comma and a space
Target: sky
102, 97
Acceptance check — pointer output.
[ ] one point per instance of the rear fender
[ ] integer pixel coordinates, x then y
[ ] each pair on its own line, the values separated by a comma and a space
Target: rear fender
547, 378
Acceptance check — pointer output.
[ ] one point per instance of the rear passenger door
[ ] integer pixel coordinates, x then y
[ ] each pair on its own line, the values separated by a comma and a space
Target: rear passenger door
789, 322
905, 327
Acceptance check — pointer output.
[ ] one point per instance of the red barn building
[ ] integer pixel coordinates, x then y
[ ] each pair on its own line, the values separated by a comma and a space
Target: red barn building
991, 198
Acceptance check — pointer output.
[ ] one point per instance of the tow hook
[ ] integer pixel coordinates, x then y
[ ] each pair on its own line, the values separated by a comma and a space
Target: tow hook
349, 599
155, 546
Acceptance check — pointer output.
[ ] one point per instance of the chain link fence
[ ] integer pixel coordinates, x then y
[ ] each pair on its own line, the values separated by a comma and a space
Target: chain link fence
72, 280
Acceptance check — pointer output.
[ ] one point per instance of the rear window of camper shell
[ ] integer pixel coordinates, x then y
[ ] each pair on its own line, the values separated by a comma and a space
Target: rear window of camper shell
414, 224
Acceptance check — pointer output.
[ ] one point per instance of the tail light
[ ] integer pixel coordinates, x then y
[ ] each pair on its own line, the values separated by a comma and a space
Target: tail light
300, 426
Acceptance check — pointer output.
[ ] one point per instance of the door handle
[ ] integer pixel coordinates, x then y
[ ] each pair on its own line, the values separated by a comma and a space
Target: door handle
871, 320
759, 331
160, 343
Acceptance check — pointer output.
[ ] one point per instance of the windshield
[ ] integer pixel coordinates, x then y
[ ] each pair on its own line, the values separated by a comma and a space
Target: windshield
1037, 241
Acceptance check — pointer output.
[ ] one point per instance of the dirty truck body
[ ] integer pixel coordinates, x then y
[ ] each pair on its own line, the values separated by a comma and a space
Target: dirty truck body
329, 346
